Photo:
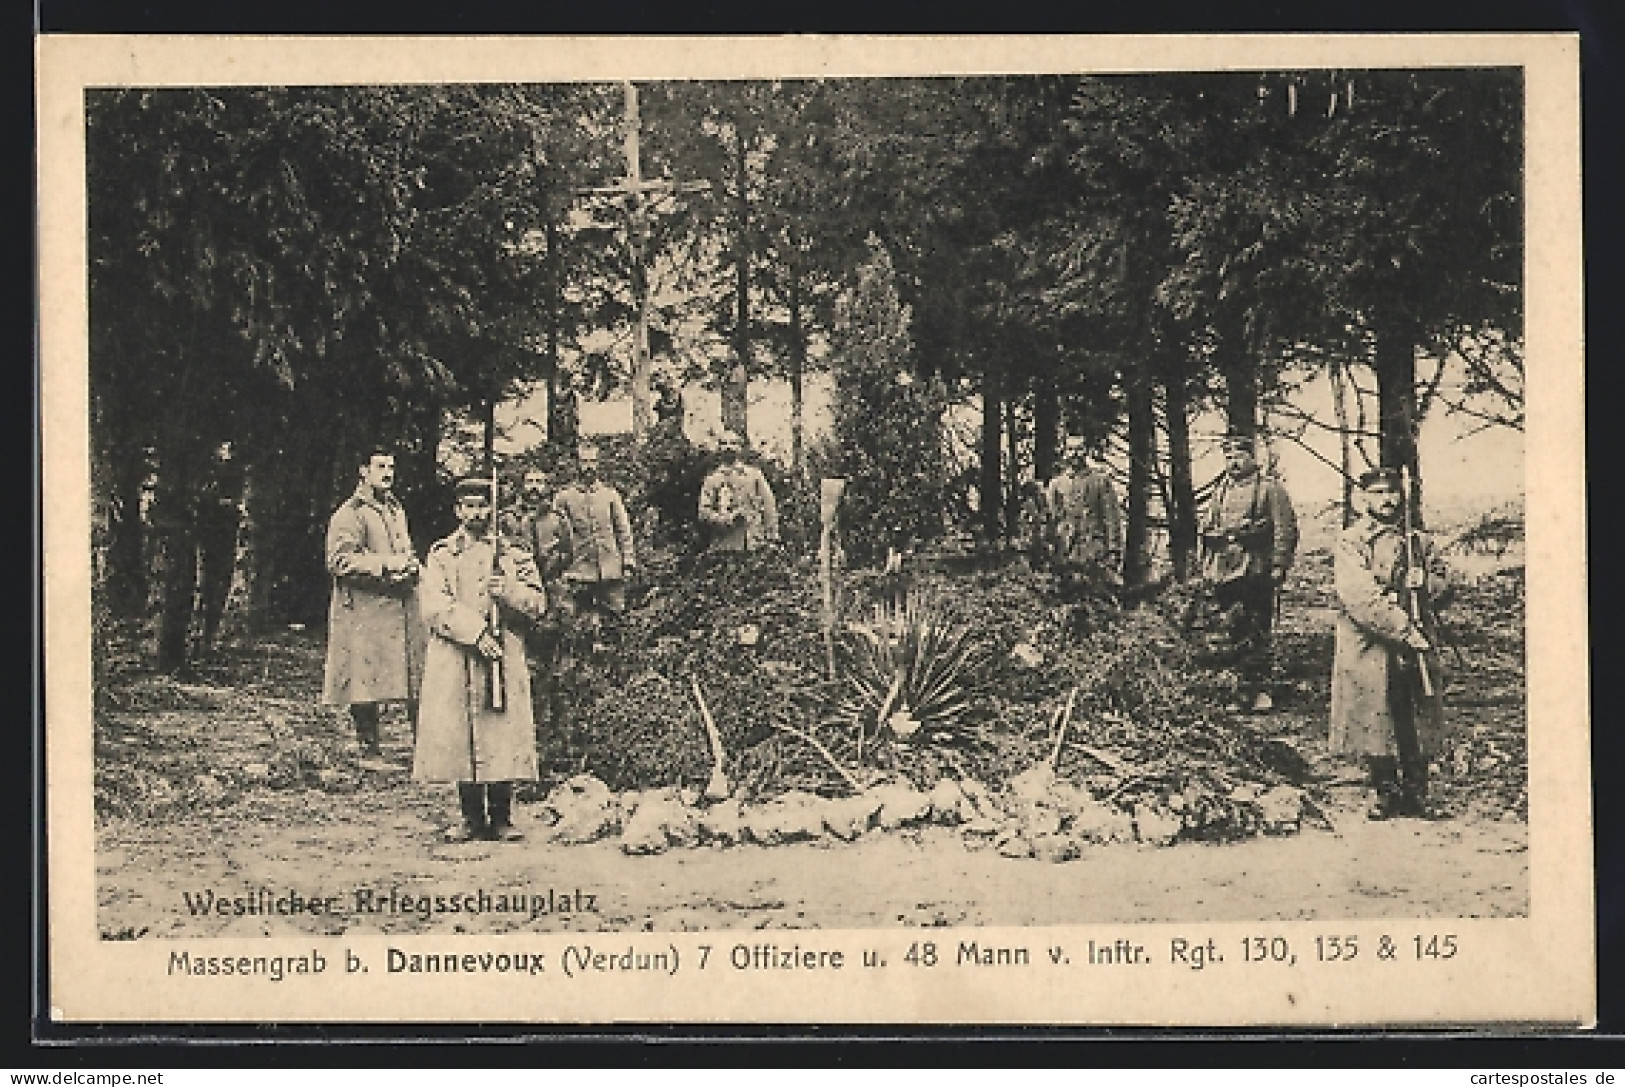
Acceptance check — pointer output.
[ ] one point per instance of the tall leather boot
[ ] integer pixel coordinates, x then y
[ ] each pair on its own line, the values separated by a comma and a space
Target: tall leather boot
499, 797
471, 798
1413, 787
365, 716
1384, 770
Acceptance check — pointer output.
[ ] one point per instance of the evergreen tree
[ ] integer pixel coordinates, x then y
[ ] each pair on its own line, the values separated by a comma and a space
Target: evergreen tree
888, 421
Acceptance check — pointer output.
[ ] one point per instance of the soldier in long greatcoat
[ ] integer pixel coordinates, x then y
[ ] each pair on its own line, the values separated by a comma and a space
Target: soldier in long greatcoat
1379, 709
461, 737
375, 637
1085, 524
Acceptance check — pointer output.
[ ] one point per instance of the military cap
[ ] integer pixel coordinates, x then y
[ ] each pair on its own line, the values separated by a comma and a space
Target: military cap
1379, 477
473, 486
1233, 440
1076, 443
729, 440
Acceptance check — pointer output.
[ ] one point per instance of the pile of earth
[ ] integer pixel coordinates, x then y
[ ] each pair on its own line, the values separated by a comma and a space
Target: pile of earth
1146, 735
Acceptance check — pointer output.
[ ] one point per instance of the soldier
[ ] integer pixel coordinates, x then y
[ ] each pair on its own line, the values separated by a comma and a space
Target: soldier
546, 534
1381, 708
1249, 539
602, 554
466, 736
1085, 525
602, 560
375, 636
1032, 525
736, 501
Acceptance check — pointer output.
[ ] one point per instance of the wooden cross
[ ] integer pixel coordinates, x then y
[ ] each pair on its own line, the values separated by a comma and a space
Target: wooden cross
640, 196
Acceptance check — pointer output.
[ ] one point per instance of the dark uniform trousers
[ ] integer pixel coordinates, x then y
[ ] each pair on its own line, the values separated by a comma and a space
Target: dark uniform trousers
1401, 782
1248, 605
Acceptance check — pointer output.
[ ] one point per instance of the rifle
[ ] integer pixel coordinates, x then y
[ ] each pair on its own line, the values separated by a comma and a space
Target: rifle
1414, 603
496, 697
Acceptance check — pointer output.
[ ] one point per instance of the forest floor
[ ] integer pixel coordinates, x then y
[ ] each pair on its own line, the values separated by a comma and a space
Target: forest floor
233, 780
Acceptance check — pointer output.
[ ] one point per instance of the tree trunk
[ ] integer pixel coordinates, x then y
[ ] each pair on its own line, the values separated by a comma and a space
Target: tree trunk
126, 570
1181, 486
173, 516
297, 487
1235, 361
1012, 473
262, 499
989, 485
489, 443
1046, 429
240, 614
1241, 401
736, 389
556, 424
1395, 363
1337, 377
1141, 451
121, 464
798, 369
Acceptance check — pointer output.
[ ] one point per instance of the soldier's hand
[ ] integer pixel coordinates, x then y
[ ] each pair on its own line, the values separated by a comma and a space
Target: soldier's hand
1416, 640
488, 646
496, 586
1416, 579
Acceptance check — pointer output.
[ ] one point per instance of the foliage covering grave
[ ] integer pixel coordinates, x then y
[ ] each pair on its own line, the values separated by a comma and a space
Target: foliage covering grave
1144, 730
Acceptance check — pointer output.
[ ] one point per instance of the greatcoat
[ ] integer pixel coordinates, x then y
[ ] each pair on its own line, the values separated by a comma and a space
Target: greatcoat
734, 489
599, 532
459, 739
1086, 526
1370, 656
375, 636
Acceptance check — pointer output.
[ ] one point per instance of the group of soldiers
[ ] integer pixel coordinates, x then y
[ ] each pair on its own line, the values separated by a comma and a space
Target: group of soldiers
1249, 537
473, 639
1390, 583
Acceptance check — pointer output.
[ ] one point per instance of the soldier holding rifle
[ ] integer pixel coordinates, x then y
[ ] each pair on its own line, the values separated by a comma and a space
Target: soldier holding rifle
475, 725
1386, 685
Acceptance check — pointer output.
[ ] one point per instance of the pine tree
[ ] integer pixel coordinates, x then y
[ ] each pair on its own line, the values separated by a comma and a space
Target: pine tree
888, 420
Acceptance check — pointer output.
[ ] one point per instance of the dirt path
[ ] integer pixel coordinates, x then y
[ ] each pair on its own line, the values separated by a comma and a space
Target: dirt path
324, 846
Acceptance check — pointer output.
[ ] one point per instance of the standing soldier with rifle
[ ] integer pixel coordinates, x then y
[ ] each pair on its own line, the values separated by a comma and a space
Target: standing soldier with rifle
1386, 685
475, 726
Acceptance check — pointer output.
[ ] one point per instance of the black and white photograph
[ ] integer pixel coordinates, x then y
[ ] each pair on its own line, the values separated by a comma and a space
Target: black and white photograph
1053, 522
